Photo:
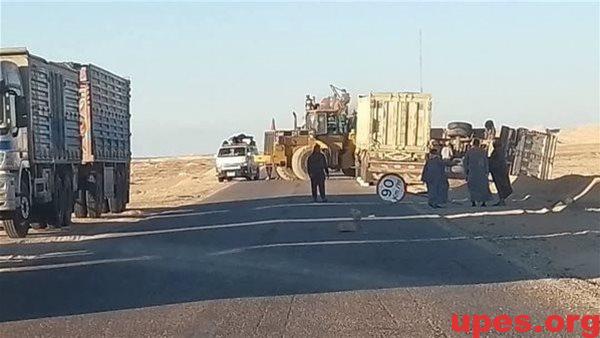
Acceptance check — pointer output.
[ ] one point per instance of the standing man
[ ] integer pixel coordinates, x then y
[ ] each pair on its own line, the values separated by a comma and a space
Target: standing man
434, 176
447, 152
477, 170
499, 171
317, 170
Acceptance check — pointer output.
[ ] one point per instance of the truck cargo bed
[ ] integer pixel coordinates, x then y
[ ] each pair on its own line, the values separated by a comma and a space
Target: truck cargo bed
105, 116
52, 105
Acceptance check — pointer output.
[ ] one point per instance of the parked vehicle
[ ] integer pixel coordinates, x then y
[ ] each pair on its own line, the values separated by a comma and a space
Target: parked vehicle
64, 137
235, 158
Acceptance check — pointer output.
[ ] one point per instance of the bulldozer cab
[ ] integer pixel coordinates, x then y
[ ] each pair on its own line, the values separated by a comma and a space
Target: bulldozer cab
327, 123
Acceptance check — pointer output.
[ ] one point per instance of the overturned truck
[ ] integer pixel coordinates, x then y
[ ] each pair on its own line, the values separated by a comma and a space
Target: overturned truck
394, 135
64, 141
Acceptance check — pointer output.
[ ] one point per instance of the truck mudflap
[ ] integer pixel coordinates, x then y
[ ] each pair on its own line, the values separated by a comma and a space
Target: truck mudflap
529, 152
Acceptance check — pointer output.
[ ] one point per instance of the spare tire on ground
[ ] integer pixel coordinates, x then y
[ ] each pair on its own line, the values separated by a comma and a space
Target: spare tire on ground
461, 129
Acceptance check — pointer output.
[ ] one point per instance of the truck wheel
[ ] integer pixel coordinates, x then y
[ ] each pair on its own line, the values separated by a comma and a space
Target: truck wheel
80, 207
67, 201
93, 201
115, 204
221, 179
17, 226
460, 129
55, 210
299, 162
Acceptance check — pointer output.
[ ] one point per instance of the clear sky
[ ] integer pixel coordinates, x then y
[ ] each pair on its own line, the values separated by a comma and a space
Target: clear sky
201, 72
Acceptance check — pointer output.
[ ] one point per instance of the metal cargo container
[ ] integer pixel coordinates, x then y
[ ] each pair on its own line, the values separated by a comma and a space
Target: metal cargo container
393, 132
52, 107
394, 122
104, 109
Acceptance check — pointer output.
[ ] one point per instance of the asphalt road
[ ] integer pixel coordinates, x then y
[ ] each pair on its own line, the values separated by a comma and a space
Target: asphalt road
256, 259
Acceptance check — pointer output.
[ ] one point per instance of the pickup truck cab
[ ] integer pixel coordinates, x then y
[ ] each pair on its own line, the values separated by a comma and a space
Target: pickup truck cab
237, 160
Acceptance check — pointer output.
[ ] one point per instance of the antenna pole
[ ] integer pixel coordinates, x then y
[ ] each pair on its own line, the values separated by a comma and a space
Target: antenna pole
420, 62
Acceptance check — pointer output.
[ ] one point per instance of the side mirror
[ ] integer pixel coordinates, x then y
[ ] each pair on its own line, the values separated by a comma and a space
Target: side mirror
21, 112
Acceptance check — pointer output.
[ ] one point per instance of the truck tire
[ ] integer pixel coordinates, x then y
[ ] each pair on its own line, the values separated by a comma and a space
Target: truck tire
17, 226
116, 204
460, 129
80, 207
68, 202
93, 200
299, 162
56, 210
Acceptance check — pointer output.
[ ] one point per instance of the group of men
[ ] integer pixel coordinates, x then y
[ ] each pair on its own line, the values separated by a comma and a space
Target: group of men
477, 166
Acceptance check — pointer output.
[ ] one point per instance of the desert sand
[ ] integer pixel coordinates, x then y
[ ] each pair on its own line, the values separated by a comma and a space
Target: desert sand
172, 182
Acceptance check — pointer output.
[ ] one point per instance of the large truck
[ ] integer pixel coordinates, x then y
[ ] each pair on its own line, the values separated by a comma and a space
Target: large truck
64, 141
394, 135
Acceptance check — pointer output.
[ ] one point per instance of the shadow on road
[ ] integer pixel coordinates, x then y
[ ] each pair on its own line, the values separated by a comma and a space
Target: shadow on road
190, 262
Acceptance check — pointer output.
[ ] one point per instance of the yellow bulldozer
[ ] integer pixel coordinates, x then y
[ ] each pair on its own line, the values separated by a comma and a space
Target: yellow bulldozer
326, 123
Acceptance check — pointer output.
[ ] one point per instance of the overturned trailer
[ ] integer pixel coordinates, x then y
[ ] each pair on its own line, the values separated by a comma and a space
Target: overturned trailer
394, 135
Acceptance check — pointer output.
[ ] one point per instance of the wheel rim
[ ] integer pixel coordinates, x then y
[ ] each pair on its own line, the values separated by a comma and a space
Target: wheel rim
25, 207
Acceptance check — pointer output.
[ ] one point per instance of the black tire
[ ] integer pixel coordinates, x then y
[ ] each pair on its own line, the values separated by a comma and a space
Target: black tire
17, 226
55, 210
93, 201
80, 207
68, 201
221, 179
460, 129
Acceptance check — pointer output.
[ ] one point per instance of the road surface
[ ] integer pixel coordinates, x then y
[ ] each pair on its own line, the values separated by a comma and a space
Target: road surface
258, 259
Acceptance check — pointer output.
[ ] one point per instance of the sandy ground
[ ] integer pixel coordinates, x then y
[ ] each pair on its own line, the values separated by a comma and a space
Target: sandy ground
578, 152
172, 182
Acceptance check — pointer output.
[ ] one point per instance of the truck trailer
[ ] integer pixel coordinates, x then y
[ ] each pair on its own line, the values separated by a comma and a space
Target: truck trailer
394, 135
64, 141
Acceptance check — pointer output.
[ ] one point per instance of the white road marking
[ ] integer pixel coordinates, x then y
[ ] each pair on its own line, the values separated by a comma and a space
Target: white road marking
72, 264
291, 205
595, 181
20, 258
112, 235
592, 209
186, 214
402, 241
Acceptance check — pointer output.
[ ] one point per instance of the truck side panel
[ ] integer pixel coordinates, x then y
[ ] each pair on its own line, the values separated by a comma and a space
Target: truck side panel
397, 122
105, 115
53, 104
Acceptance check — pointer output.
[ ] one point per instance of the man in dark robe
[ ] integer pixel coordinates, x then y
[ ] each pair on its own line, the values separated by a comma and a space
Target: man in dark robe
499, 171
476, 166
434, 176
317, 171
